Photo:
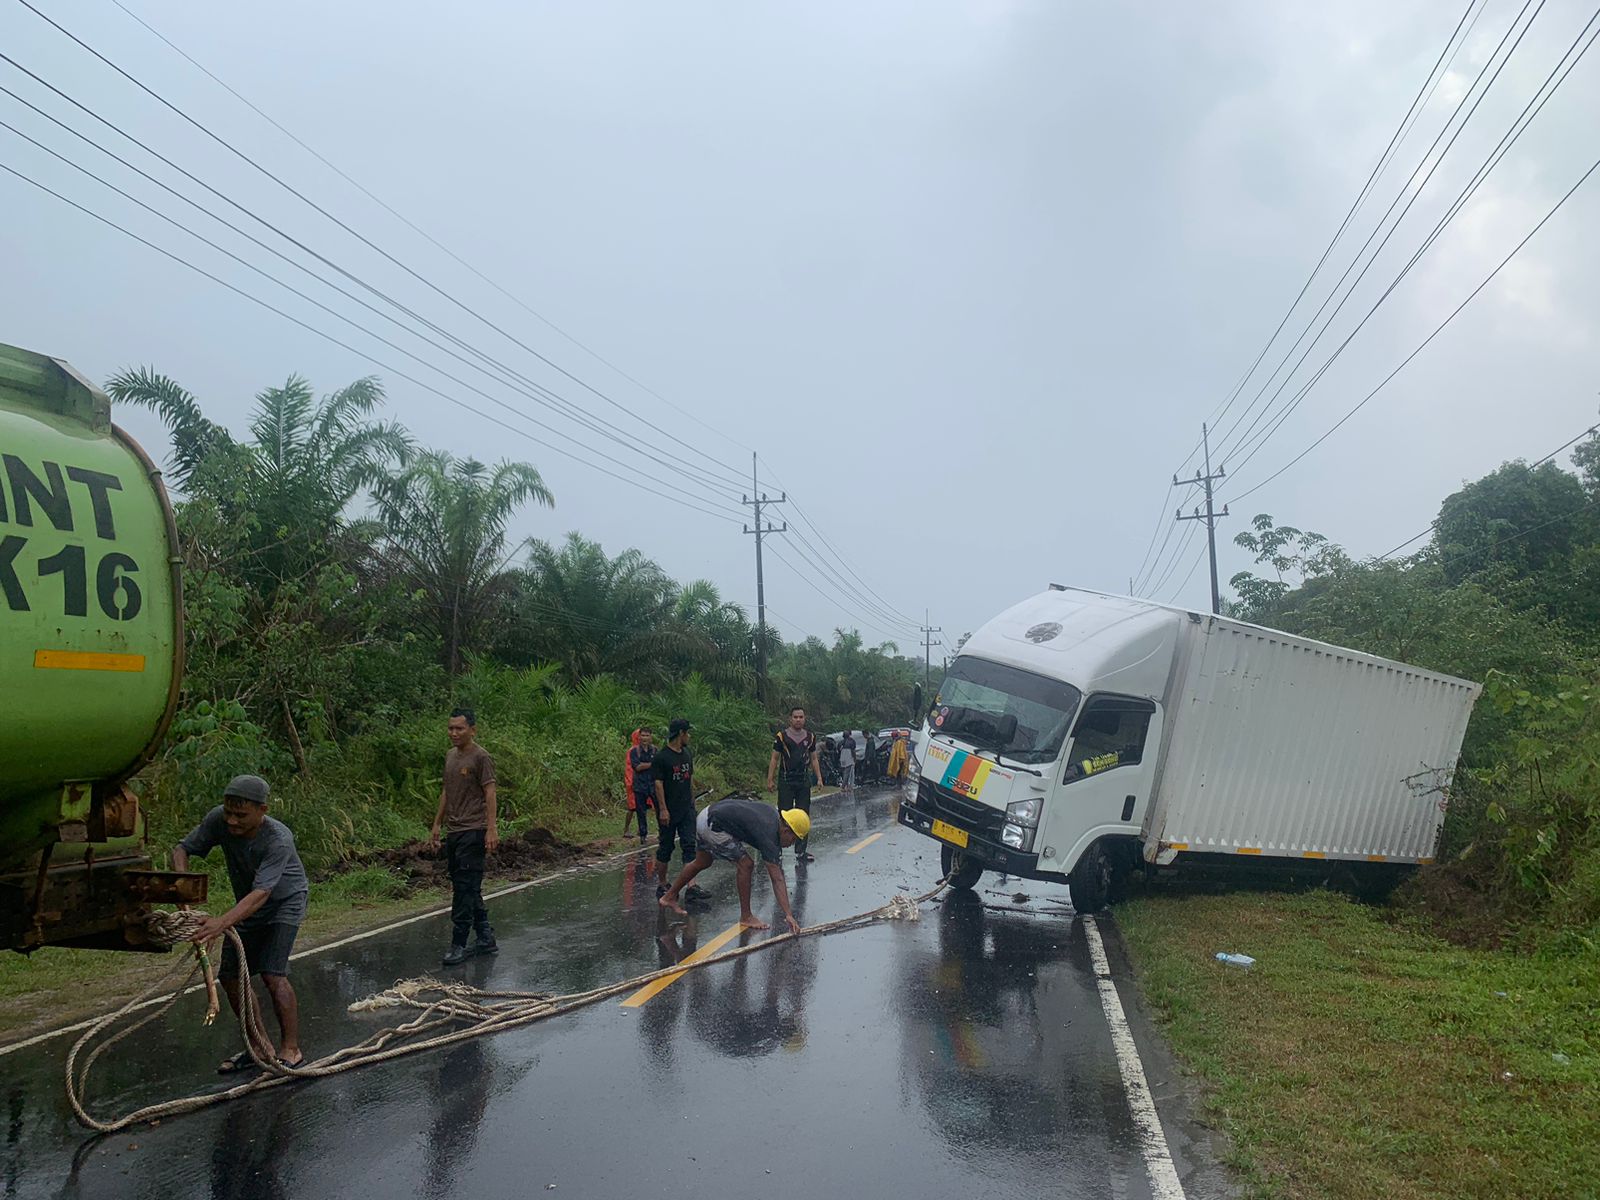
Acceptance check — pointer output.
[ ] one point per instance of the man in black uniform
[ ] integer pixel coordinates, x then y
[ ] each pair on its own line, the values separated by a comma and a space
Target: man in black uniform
795, 750
674, 779
722, 831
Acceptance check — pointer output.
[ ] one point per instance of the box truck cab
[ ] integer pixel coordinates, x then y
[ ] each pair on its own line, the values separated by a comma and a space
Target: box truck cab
1078, 734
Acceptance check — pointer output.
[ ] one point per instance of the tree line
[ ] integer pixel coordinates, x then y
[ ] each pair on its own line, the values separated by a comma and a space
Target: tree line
344, 587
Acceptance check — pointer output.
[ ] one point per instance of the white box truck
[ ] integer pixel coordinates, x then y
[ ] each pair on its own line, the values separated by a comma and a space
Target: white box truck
1079, 735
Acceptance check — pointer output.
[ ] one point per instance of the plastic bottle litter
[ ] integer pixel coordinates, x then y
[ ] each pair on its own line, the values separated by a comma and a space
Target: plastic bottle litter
1560, 1058
1236, 960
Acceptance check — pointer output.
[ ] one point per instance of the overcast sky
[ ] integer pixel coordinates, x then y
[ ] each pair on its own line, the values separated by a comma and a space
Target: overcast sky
969, 276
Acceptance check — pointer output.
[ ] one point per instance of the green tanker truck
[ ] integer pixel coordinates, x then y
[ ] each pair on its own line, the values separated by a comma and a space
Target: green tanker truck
91, 658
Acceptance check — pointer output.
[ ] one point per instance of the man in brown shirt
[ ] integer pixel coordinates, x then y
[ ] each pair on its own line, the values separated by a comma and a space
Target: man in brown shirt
467, 811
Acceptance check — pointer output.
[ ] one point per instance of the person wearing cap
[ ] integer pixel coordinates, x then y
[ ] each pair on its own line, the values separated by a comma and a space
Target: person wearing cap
270, 889
674, 787
723, 830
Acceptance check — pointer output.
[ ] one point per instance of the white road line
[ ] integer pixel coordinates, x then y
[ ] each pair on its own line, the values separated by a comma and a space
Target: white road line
1164, 1183
37, 1038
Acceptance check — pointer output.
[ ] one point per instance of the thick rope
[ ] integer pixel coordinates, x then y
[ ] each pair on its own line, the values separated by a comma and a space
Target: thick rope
446, 1013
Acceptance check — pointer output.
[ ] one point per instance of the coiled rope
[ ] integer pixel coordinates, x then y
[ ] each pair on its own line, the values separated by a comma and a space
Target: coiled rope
447, 1013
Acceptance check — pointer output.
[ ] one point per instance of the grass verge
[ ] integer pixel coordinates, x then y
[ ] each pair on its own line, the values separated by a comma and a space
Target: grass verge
1363, 1058
53, 987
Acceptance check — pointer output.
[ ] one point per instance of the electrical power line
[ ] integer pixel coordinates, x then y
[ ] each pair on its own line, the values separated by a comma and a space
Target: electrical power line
429, 284
1230, 446
310, 299
800, 512
1529, 112
423, 233
1432, 525
354, 233
1402, 130
1413, 110
1193, 566
1471, 296
337, 342
555, 401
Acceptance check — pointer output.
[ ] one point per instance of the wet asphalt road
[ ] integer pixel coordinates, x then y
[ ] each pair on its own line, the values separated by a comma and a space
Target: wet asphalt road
962, 1055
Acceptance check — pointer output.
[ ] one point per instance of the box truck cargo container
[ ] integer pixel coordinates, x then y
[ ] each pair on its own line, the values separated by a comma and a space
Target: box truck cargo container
1079, 735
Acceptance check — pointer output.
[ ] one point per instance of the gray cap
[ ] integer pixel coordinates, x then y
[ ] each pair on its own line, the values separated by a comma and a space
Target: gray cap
248, 787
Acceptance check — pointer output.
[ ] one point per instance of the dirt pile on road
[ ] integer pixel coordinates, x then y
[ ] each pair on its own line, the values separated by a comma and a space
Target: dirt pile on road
532, 852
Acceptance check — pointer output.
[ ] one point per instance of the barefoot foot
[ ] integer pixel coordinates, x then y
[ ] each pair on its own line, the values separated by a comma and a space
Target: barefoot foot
753, 923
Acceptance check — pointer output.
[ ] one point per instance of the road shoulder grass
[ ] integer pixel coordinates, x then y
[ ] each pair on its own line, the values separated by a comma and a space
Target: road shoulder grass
1362, 1058
54, 987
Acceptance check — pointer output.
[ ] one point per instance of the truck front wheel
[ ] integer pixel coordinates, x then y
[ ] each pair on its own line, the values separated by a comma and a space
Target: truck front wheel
962, 871
1092, 879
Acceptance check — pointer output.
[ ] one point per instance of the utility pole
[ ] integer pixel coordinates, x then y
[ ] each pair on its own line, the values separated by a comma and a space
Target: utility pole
1211, 516
927, 647
759, 500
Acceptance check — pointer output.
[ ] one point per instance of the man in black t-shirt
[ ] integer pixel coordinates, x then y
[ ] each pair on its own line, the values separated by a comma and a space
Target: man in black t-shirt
794, 750
722, 832
674, 778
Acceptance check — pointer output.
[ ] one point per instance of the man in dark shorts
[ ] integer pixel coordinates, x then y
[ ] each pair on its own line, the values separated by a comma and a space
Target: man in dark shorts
468, 809
724, 829
642, 780
270, 889
794, 750
674, 784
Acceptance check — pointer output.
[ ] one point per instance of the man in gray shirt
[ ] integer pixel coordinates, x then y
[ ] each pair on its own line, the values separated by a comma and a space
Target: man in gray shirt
270, 887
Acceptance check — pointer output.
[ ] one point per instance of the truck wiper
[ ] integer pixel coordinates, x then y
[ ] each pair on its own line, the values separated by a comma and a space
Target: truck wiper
978, 747
1010, 766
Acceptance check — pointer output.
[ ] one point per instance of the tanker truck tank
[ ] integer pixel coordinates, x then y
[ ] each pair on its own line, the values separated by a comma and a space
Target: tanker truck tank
91, 657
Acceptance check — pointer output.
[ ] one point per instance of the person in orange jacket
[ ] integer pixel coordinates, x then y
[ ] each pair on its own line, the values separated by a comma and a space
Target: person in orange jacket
638, 779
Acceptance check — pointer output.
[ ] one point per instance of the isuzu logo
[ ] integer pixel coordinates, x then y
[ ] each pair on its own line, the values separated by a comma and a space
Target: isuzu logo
1043, 632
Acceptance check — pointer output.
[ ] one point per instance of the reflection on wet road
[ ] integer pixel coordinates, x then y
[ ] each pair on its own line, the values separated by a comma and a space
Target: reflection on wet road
962, 1055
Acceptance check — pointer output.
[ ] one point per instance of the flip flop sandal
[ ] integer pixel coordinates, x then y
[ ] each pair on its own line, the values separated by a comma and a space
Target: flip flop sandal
293, 1066
238, 1062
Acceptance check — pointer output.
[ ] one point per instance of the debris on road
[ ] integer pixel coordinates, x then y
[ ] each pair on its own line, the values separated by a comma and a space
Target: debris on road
1236, 960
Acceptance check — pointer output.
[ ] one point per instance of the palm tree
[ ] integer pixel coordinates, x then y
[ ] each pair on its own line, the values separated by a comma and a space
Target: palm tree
595, 614
292, 482
445, 521
701, 608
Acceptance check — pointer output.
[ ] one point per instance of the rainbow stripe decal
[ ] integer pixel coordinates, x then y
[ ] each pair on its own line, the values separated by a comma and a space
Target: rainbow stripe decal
966, 774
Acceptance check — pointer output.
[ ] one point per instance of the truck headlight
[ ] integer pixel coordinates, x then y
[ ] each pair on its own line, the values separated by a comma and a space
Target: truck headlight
1025, 812
1016, 836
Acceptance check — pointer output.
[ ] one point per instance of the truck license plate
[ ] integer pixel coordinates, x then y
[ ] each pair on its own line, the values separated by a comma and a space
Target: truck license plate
949, 833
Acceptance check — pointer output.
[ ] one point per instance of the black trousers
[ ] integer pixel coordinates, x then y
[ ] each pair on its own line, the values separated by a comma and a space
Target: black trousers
464, 854
642, 806
795, 793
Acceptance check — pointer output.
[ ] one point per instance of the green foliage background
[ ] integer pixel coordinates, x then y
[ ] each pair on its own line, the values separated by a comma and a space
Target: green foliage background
345, 589
1507, 591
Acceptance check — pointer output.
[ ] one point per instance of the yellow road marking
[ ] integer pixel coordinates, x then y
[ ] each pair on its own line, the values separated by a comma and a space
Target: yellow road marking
82, 660
865, 842
660, 985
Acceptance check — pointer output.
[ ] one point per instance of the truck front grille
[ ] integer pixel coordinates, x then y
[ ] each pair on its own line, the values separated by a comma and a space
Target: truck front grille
971, 815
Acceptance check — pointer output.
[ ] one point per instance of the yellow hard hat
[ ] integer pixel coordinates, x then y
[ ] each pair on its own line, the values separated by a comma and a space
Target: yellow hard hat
798, 820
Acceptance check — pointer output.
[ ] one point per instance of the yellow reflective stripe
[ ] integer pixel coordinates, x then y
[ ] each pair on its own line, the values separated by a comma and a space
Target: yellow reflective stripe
1377, 858
1248, 850
1313, 854
83, 660
1178, 845
666, 981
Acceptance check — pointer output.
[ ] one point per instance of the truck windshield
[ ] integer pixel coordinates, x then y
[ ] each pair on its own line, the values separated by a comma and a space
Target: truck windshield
981, 694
